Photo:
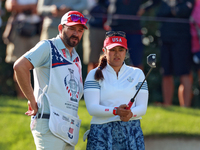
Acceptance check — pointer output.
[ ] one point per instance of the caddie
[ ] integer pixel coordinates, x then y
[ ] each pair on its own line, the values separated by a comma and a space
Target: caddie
58, 86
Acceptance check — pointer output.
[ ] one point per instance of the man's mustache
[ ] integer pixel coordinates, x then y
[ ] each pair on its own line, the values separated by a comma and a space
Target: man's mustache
75, 37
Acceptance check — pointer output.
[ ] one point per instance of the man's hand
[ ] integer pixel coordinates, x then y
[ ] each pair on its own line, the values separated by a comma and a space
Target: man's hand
32, 109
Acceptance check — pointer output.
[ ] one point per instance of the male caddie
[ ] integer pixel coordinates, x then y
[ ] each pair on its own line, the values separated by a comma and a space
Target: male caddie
58, 85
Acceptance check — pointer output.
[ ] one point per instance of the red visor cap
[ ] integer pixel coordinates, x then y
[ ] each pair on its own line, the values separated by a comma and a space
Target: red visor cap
114, 41
66, 19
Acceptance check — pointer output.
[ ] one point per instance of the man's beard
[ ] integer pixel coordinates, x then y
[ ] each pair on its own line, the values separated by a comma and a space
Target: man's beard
67, 40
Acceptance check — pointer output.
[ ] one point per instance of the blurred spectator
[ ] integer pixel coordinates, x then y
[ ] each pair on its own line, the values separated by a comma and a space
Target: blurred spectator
94, 37
53, 11
175, 51
131, 27
176, 57
195, 32
0, 13
22, 30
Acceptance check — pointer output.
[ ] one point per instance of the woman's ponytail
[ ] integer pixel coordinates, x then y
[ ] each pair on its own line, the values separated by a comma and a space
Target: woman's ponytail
102, 63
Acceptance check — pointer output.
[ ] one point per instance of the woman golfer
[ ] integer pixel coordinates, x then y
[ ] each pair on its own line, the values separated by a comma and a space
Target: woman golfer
107, 91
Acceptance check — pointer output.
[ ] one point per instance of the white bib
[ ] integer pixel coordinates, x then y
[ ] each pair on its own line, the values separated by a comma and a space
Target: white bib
63, 93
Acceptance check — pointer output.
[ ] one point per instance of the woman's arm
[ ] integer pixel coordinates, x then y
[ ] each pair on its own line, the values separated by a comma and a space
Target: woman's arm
92, 99
141, 104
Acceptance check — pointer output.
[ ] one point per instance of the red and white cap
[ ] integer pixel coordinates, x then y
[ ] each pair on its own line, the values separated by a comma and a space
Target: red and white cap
67, 20
114, 41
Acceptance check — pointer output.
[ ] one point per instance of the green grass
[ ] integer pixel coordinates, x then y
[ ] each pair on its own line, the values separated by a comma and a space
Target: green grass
159, 121
173, 121
14, 125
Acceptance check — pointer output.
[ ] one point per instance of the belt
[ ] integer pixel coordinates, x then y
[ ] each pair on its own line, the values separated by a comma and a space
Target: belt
44, 116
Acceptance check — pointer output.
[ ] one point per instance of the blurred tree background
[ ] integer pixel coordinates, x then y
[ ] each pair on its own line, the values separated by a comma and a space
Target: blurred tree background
151, 41
6, 70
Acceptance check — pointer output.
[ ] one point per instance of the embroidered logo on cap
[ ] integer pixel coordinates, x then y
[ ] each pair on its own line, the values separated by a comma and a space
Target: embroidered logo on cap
116, 39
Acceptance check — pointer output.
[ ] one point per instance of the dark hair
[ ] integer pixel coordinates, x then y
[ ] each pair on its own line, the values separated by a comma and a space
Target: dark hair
102, 63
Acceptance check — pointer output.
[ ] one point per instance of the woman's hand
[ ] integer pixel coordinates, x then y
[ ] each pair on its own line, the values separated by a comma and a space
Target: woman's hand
122, 111
124, 114
127, 118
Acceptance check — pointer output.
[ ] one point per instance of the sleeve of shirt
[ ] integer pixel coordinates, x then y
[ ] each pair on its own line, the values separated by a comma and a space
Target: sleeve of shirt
92, 97
39, 55
141, 100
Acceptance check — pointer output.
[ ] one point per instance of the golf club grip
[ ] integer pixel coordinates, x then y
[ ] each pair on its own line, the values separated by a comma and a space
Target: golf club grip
130, 104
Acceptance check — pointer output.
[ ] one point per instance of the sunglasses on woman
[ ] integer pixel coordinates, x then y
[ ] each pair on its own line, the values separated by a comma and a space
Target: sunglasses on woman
75, 18
115, 33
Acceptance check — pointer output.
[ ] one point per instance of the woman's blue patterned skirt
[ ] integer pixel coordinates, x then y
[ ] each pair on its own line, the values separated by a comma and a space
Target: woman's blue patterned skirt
116, 135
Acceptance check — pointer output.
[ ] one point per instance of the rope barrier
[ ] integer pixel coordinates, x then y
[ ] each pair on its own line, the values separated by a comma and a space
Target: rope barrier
144, 18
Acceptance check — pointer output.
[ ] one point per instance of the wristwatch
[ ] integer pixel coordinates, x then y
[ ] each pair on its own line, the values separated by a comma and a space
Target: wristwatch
115, 111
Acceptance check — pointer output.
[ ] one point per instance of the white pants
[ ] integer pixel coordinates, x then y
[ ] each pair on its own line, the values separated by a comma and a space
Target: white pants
44, 139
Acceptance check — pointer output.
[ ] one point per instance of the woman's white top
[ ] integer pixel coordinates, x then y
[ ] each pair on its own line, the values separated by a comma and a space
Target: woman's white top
102, 96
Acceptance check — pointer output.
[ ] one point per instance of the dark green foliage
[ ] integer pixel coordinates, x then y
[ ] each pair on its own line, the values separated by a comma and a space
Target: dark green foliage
6, 72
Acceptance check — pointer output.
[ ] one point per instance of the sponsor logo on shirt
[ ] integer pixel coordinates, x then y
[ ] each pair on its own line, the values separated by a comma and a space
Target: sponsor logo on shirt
65, 118
72, 121
70, 133
56, 114
72, 86
130, 79
78, 125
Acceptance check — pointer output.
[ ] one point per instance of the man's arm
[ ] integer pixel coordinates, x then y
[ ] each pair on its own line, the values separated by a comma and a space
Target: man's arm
22, 69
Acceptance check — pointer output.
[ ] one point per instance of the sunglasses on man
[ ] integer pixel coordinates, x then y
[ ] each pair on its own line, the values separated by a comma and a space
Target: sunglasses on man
76, 18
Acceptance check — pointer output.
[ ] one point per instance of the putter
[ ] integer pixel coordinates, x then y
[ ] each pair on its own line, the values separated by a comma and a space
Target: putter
151, 61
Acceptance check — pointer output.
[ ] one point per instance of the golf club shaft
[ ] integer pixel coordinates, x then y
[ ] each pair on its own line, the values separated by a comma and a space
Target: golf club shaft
133, 99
